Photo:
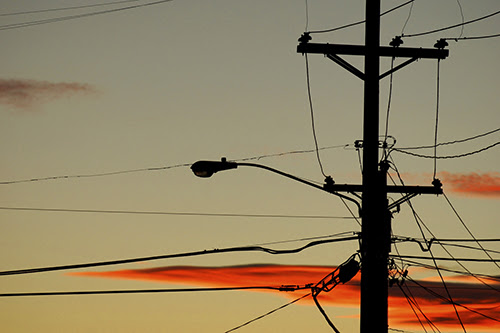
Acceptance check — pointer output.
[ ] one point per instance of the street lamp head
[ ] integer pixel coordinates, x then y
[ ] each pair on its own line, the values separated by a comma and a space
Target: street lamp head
206, 169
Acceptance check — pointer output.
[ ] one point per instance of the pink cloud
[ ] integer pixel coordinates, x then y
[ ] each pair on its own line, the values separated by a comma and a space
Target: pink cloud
477, 184
24, 94
464, 290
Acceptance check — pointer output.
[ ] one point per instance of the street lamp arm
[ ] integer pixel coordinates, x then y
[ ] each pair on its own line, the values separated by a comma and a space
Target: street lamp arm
208, 168
303, 181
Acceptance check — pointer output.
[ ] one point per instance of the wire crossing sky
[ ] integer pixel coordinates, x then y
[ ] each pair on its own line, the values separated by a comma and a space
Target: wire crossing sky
105, 105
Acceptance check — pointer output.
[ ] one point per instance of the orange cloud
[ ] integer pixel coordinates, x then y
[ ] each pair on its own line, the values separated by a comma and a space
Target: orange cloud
464, 291
23, 94
480, 184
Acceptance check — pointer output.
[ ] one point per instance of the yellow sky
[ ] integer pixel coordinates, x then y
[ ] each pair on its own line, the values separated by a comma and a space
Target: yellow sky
151, 88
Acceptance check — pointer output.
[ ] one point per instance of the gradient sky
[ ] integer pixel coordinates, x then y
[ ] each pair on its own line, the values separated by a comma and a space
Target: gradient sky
150, 90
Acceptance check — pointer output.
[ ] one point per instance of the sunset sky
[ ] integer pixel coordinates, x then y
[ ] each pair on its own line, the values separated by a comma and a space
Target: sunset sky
104, 105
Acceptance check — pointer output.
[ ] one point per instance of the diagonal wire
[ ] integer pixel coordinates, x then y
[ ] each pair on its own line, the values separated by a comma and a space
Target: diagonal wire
268, 313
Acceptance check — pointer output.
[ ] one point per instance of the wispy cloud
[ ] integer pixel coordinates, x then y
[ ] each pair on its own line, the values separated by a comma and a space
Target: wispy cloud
475, 184
478, 184
24, 94
465, 291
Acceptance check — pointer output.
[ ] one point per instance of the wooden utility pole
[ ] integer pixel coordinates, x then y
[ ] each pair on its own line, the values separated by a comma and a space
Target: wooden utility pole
375, 214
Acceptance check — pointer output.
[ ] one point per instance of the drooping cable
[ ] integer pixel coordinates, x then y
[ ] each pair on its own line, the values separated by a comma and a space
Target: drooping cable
65, 8
322, 311
454, 141
72, 17
143, 291
463, 18
407, 18
308, 80
389, 100
437, 121
171, 256
359, 22
448, 156
468, 230
473, 37
432, 255
136, 212
452, 26
268, 313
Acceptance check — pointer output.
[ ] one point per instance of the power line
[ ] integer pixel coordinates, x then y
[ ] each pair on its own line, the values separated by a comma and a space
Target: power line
102, 211
171, 256
102, 174
72, 17
268, 313
120, 172
454, 141
66, 8
148, 291
448, 156
308, 80
444, 258
452, 26
359, 22
473, 37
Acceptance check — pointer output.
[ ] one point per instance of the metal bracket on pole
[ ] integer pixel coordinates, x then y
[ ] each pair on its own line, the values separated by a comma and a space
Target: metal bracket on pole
344, 64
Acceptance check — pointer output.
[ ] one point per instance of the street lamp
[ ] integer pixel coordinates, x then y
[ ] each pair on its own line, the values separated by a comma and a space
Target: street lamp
206, 169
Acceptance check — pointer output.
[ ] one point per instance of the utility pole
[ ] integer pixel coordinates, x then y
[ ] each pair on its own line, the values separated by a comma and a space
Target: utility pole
375, 211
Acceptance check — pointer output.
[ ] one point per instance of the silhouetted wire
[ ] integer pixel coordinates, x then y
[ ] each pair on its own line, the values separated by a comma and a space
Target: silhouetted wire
103, 174
66, 8
452, 26
72, 17
449, 300
102, 211
359, 22
113, 173
447, 156
420, 222
431, 267
437, 121
412, 301
308, 80
171, 256
468, 230
268, 313
470, 247
308, 238
407, 18
307, 15
454, 141
472, 37
389, 99
142, 291
463, 18
444, 258
322, 311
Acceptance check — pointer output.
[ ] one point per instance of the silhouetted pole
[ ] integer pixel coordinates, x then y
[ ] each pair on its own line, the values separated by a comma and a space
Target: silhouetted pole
375, 241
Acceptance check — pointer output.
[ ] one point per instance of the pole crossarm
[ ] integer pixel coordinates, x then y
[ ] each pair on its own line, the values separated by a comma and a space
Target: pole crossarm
390, 189
383, 51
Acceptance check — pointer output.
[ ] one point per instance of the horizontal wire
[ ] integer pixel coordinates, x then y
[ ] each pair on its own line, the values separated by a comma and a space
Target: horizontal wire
72, 17
472, 37
171, 256
148, 291
119, 172
448, 156
103, 211
359, 22
454, 141
66, 8
444, 258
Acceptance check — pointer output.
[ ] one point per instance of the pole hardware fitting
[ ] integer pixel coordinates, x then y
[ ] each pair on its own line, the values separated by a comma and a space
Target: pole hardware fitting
441, 44
396, 41
305, 38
